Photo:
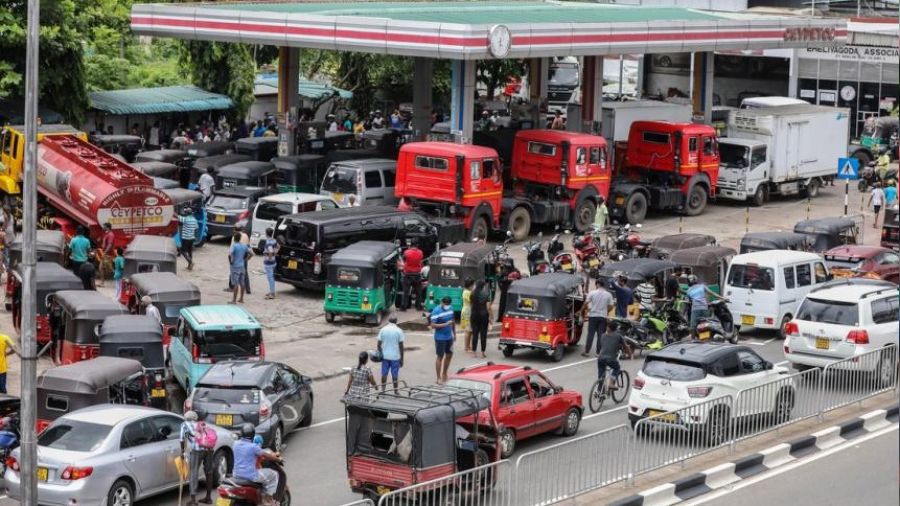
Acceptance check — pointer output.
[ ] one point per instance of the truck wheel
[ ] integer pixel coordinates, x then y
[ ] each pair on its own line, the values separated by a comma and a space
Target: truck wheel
696, 201
812, 189
760, 197
479, 229
585, 213
520, 223
636, 208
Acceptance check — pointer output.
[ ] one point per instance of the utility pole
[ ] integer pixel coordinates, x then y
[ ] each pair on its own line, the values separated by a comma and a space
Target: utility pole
28, 448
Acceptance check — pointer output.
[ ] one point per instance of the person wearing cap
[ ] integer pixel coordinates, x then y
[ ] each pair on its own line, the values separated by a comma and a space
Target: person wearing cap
88, 272
442, 321
150, 309
196, 456
361, 378
624, 296
390, 345
188, 233
697, 293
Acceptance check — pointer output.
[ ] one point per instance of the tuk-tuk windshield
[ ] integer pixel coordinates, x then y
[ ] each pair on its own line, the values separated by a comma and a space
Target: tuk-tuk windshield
341, 179
233, 343
74, 436
356, 277
751, 276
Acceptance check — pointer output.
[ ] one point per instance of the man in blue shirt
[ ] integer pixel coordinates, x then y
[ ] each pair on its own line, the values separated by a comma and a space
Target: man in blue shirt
390, 344
78, 249
246, 453
697, 293
624, 296
189, 228
443, 321
237, 259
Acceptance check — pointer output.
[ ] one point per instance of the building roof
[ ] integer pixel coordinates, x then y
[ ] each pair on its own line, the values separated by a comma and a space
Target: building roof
460, 30
267, 84
158, 100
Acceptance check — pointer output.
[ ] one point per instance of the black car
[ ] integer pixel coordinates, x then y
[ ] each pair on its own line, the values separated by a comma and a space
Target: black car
232, 206
272, 396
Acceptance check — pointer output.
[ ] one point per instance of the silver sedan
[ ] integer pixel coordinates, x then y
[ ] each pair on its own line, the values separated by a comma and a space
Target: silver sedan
111, 455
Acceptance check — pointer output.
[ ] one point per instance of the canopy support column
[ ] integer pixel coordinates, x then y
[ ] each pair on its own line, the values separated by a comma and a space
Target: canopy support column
462, 100
288, 98
592, 94
423, 73
702, 68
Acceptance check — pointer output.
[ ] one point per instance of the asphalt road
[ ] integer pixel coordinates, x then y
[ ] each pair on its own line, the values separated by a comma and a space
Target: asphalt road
862, 471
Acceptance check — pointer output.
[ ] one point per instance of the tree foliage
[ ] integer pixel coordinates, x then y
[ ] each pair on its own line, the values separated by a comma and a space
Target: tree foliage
496, 73
226, 68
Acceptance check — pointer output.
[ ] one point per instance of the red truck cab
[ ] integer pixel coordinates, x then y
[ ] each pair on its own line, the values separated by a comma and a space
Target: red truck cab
666, 166
452, 181
558, 177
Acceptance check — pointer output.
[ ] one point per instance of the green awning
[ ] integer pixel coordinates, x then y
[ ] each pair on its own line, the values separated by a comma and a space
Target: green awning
158, 100
267, 84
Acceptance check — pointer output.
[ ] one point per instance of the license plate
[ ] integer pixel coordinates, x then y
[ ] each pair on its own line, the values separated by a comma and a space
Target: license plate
703, 335
566, 265
366, 307
292, 264
158, 392
620, 200
668, 417
43, 474
593, 262
221, 501
224, 420
337, 196
544, 338
747, 319
219, 218
380, 490
822, 343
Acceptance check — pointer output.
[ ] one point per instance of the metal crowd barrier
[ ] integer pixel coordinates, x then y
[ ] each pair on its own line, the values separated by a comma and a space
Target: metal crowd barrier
361, 502
487, 485
788, 399
857, 378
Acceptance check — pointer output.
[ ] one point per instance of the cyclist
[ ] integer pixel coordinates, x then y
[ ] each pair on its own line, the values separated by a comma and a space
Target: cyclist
611, 344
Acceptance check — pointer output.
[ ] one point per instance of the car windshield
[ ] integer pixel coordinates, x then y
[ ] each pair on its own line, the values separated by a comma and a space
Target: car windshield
673, 370
751, 276
733, 155
828, 311
241, 343
340, 179
480, 386
273, 210
227, 202
230, 396
75, 436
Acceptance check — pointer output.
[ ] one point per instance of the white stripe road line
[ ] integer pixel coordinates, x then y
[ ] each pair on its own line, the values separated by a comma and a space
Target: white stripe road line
569, 365
757, 343
326, 422
608, 411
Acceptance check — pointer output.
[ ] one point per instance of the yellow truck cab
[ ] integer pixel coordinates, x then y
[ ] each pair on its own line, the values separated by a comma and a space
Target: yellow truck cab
12, 152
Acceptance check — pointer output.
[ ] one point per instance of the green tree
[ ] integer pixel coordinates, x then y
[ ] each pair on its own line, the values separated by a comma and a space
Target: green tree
496, 73
220, 67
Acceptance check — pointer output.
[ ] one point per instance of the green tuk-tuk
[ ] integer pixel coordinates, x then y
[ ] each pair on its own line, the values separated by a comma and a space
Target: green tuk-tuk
303, 173
362, 281
708, 263
449, 268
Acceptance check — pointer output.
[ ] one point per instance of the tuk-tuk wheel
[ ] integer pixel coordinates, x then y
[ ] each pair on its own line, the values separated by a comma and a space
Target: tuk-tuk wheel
329, 317
558, 353
508, 350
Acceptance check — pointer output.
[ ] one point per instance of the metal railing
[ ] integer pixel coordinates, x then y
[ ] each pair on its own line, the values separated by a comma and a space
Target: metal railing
788, 399
857, 378
487, 485
600, 458
361, 502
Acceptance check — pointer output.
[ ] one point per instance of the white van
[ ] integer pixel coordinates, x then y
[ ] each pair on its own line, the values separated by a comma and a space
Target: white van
370, 180
764, 288
269, 209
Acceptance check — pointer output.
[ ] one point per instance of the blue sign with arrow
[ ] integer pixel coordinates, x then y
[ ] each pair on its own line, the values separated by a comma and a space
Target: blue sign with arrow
848, 168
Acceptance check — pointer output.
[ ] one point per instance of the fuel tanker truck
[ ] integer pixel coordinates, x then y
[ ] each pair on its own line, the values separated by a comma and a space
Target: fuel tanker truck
87, 186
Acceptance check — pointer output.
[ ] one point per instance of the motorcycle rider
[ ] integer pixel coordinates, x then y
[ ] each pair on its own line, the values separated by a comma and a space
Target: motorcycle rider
697, 293
246, 453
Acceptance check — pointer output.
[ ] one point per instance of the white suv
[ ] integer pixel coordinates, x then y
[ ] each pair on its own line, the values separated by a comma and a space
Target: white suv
687, 376
844, 319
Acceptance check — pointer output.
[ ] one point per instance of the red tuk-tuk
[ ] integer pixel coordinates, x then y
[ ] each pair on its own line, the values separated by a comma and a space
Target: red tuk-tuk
80, 313
169, 294
49, 278
402, 437
543, 312
147, 253
460, 182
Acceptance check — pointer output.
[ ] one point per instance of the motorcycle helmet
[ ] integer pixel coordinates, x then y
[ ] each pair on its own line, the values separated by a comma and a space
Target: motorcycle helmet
692, 279
375, 356
633, 240
248, 431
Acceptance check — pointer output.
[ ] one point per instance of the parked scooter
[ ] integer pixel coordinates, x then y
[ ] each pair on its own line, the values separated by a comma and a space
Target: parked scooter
587, 251
627, 243
677, 325
641, 334
249, 493
720, 325
535, 256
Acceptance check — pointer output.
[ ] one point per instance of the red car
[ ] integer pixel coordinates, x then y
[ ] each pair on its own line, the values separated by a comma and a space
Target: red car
863, 261
524, 402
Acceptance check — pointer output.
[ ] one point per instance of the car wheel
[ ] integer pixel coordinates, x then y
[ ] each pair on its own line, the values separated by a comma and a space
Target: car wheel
507, 443
636, 208
121, 494
508, 350
696, 201
784, 404
571, 423
760, 197
584, 215
519, 223
329, 317
558, 353
220, 466
277, 438
716, 428
887, 369
307, 416
784, 320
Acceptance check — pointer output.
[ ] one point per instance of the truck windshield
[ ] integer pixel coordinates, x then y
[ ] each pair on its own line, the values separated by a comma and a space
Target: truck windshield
340, 179
564, 76
733, 155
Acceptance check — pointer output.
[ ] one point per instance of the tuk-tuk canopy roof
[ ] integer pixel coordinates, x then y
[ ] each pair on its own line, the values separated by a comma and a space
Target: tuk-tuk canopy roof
46, 241
104, 140
363, 254
464, 254
340, 214
219, 316
156, 169
152, 248
552, 284
181, 195
241, 191
682, 241
88, 376
130, 328
52, 277
165, 287
204, 149
254, 142
88, 304
217, 161
774, 240
704, 256
248, 169
636, 268
161, 155
297, 162
833, 225
426, 403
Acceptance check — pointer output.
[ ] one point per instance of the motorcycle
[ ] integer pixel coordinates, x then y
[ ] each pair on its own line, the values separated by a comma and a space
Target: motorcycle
9, 437
236, 492
641, 334
628, 243
587, 251
677, 325
536, 258
720, 326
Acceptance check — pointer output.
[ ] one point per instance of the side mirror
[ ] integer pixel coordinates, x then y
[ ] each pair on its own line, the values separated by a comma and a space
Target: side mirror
768, 365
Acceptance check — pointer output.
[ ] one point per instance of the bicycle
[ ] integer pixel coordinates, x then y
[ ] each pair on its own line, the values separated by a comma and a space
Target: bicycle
599, 391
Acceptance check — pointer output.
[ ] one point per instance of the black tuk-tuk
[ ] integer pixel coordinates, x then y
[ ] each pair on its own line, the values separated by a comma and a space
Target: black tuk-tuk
362, 280
765, 241
708, 263
50, 246
662, 247
303, 173
49, 278
74, 316
450, 267
543, 312
261, 149
636, 271
161, 183
343, 155
169, 294
173, 156
127, 146
386, 142
200, 165
138, 337
101, 380
211, 148
157, 169
402, 437
250, 173
827, 233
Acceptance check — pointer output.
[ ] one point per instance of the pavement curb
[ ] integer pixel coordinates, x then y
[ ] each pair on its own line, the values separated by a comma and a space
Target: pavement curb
697, 484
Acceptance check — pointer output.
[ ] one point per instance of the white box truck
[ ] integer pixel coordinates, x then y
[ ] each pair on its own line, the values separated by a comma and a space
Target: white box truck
786, 150
616, 117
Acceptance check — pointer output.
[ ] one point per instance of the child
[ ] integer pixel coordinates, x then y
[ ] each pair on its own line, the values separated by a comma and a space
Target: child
118, 271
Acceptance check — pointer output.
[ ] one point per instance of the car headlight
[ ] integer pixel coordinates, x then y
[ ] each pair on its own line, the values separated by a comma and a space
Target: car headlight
741, 183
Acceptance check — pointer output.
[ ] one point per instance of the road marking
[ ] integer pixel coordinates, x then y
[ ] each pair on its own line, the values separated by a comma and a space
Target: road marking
569, 365
782, 362
326, 422
757, 343
608, 411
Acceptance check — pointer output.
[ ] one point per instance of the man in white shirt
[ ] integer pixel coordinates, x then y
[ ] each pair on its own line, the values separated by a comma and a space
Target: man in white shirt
876, 200
150, 309
206, 183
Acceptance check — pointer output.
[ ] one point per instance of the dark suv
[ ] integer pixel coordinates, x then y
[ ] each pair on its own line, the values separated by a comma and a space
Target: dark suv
230, 207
